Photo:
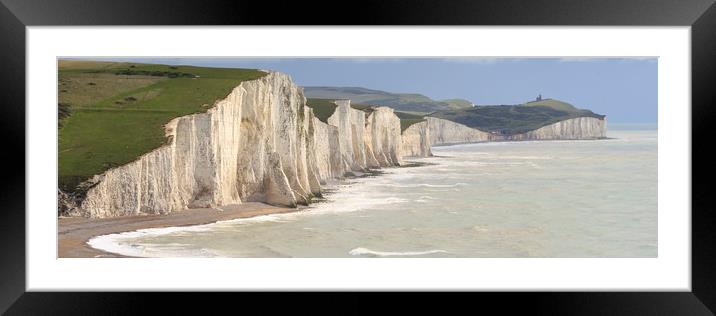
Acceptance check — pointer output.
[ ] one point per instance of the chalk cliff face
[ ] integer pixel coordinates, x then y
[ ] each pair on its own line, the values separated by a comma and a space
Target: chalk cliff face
416, 141
418, 138
261, 143
351, 144
448, 132
576, 128
250, 146
324, 148
382, 138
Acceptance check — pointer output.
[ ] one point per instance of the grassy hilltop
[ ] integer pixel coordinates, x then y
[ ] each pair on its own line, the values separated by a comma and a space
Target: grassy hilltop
324, 108
515, 119
112, 113
553, 104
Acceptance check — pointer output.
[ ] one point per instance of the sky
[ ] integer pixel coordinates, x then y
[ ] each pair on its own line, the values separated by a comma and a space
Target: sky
624, 89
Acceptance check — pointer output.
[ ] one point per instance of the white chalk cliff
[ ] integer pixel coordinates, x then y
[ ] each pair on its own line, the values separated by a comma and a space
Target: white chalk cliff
383, 138
416, 140
351, 126
444, 132
324, 148
262, 143
251, 146
576, 128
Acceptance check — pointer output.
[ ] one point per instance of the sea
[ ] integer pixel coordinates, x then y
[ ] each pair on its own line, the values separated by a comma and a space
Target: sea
546, 199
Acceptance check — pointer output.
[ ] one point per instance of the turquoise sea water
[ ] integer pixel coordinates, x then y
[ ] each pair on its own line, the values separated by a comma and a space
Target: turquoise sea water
513, 199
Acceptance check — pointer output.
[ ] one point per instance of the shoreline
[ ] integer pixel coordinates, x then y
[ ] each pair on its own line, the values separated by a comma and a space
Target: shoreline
73, 233
520, 141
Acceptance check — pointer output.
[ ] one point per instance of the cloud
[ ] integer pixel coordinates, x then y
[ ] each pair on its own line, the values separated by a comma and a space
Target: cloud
601, 58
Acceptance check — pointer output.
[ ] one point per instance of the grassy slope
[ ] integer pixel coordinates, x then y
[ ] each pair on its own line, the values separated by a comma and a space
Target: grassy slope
367, 108
324, 108
407, 119
515, 119
118, 118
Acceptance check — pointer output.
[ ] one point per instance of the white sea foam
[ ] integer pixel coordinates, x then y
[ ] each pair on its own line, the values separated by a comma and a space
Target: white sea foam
126, 246
424, 199
427, 185
120, 243
271, 218
524, 157
360, 251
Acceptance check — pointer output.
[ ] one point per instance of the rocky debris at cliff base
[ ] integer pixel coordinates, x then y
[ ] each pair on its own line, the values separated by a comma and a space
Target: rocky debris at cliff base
413, 164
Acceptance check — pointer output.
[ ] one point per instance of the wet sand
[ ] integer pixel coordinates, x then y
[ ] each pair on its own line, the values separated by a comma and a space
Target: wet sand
74, 232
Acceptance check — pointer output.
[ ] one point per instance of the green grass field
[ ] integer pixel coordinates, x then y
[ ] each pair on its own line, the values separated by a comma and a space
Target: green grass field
112, 113
407, 119
324, 108
554, 104
367, 108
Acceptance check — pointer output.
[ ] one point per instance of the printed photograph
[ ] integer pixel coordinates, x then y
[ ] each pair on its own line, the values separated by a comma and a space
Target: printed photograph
357, 157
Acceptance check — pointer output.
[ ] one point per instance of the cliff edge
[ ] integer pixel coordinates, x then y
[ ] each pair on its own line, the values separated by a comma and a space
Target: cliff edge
261, 143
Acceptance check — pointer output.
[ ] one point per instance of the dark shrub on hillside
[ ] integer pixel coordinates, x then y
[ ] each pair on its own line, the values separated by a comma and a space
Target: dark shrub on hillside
63, 110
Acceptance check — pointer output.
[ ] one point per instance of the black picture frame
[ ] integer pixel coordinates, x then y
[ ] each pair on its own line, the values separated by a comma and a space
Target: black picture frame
16, 15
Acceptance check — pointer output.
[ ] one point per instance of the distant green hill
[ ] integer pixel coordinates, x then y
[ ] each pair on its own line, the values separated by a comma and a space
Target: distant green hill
458, 103
411, 102
515, 119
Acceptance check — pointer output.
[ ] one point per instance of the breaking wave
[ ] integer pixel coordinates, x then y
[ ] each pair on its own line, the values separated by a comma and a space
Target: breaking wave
360, 251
